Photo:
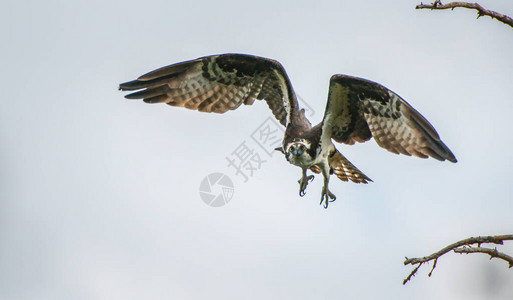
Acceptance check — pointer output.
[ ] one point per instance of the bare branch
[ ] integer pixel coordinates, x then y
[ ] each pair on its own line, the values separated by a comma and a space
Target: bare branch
433, 268
492, 252
411, 274
497, 239
481, 11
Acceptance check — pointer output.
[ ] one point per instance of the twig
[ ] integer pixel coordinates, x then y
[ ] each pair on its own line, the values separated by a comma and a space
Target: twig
433, 268
481, 11
492, 252
497, 239
411, 274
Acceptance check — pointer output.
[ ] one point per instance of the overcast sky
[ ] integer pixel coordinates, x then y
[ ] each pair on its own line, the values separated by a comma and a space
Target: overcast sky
99, 196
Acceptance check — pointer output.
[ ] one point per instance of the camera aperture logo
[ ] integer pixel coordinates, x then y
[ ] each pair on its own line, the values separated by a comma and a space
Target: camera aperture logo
216, 189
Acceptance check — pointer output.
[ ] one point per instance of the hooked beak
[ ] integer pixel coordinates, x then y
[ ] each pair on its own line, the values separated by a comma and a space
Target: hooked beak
297, 151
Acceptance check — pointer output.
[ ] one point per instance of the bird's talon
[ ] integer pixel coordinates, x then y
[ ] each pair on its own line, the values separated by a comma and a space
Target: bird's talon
327, 197
303, 183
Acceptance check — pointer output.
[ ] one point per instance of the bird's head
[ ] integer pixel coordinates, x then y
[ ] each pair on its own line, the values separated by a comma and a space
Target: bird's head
297, 149
297, 152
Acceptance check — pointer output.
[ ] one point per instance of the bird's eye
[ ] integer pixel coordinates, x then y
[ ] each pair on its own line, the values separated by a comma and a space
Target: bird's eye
302, 147
291, 149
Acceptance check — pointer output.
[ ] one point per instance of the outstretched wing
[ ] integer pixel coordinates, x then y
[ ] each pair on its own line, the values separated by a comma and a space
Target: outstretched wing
218, 83
359, 109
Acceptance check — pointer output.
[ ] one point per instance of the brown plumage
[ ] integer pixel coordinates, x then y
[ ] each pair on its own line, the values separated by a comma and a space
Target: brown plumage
343, 169
216, 84
357, 109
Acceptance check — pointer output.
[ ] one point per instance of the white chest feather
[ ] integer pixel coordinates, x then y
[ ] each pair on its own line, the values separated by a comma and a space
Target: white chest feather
325, 150
303, 161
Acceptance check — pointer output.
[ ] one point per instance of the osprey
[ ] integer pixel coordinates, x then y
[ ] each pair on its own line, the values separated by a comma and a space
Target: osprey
357, 110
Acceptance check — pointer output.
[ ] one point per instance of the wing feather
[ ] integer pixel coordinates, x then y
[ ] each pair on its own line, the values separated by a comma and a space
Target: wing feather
345, 170
359, 109
218, 83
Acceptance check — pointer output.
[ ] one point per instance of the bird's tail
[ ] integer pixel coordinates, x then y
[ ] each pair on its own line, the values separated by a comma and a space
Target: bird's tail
343, 169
